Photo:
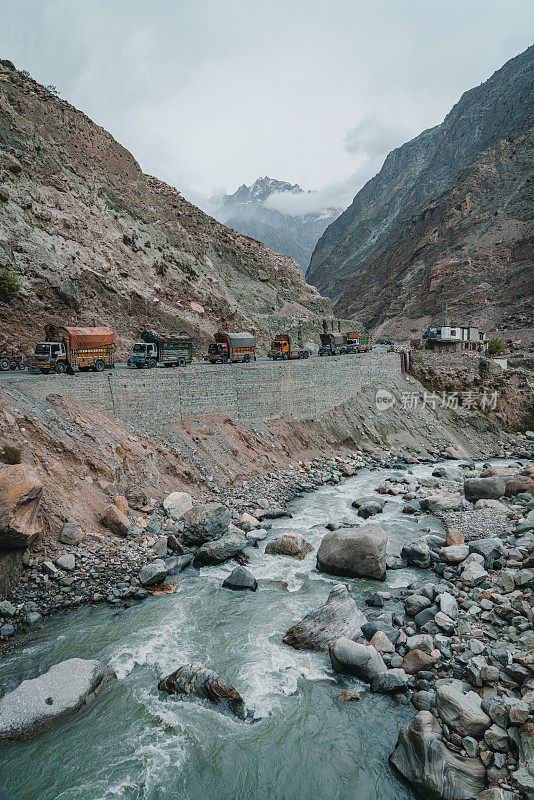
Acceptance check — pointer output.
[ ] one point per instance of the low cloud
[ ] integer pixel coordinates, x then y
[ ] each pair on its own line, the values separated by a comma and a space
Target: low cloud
371, 138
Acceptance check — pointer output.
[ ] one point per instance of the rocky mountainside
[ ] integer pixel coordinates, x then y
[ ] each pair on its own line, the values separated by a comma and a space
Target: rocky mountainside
428, 184
292, 235
94, 240
472, 247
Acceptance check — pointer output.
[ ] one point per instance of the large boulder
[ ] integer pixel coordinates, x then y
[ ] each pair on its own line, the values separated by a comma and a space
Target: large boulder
442, 502
205, 522
454, 553
519, 485
354, 552
197, 680
416, 554
153, 573
390, 682
219, 550
241, 579
369, 509
177, 504
338, 617
21, 520
52, 698
492, 550
461, 710
484, 488
289, 544
116, 521
434, 771
361, 660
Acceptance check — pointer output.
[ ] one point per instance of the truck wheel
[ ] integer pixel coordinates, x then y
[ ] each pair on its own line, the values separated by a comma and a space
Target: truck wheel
225, 360
99, 365
182, 362
306, 354
60, 367
151, 364
246, 358
4, 363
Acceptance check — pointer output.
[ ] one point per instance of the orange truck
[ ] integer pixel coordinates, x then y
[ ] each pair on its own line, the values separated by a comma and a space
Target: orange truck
352, 341
85, 348
282, 347
232, 347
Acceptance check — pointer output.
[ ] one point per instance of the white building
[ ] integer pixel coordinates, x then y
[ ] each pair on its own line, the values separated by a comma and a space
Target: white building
454, 339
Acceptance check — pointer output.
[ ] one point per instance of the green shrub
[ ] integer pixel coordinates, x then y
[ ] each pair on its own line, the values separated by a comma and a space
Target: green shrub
189, 474
496, 347
10, 455
9, 283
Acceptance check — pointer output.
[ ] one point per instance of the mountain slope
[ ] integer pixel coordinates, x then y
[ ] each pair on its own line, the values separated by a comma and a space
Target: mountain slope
292, 235
94, 240
473, 248
416, 174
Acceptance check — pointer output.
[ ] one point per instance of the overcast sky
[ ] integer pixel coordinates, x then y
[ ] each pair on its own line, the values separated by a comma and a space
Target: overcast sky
208, 95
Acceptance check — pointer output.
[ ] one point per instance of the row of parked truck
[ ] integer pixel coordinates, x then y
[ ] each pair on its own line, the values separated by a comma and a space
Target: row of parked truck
67, 348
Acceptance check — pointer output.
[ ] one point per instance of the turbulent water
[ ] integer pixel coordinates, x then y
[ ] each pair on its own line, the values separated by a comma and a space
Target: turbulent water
135, 743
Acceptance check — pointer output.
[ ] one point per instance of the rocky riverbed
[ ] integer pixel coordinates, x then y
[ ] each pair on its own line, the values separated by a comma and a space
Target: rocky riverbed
452, 639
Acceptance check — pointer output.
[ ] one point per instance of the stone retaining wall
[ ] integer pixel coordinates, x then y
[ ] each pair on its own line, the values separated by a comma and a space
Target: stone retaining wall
155, 400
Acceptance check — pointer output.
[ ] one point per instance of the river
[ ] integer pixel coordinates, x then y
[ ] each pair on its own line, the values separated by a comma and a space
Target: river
135, 743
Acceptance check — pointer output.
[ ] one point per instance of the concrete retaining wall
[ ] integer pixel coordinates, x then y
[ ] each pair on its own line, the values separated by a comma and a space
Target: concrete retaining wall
156, 399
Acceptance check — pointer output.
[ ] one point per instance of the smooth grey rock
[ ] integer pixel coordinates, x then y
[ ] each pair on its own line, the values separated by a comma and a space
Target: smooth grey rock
67, 562
473, 574
206, 522
177, 504
338, 617
354, 552
360, 501
153, 573
454, 553
460, 710
177, 564
369, 509
496, 739
257, 535
417, 554
221, 549
7, 609
448, 605
52, 698
241, 579
361, 660
434, 771
393, 680
445, 623
442, 502
484, 488
415, 603
491, 550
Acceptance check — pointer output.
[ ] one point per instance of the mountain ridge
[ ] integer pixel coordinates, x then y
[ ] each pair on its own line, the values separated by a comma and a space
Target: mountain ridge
416, 174
290, 234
